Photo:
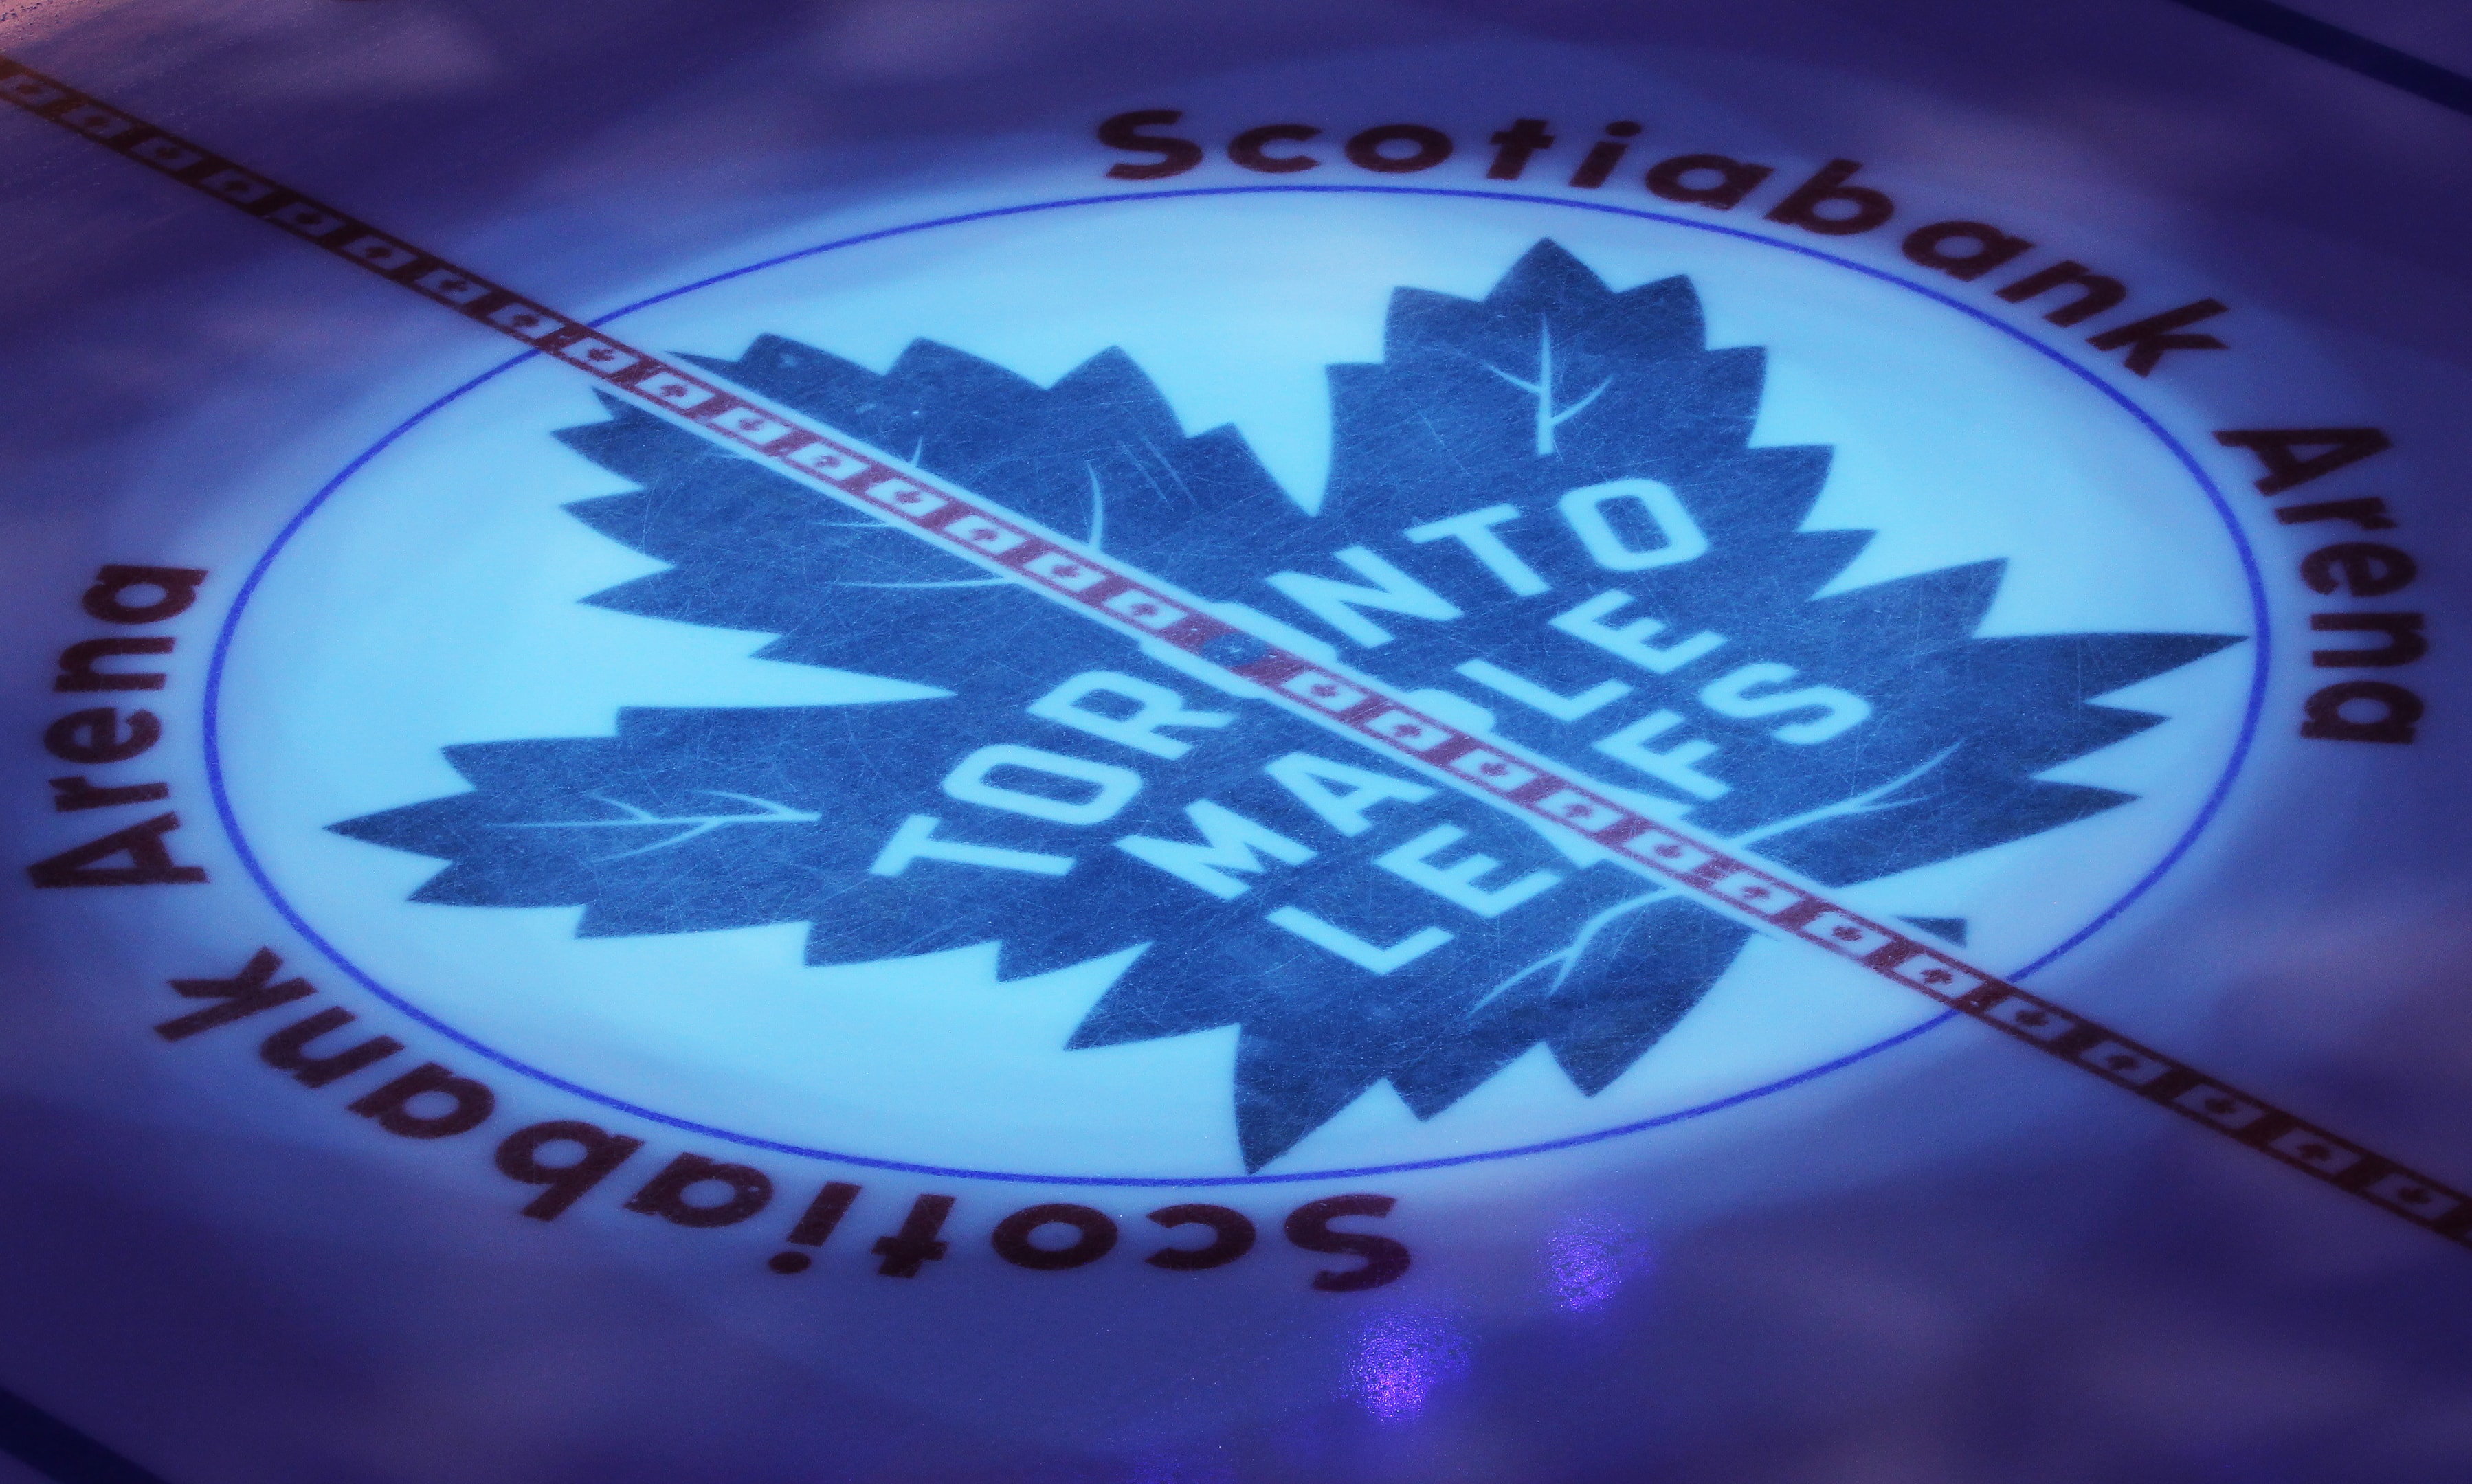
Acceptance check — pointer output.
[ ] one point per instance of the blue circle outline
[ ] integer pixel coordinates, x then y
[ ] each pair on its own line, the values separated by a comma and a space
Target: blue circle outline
2206, 812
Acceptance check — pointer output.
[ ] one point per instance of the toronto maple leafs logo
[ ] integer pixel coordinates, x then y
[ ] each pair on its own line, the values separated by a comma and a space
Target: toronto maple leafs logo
1544, 519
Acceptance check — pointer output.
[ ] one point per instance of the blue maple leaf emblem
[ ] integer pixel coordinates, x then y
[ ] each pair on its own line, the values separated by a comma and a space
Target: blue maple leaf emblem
1544, 503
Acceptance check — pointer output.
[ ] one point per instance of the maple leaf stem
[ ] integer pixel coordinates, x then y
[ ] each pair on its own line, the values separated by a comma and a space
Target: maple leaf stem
1547, 418
1565, 960
1870, 801
1097, 538
766, 811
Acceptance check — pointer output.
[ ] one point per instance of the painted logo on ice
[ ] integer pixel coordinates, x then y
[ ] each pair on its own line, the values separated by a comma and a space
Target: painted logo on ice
1546, 516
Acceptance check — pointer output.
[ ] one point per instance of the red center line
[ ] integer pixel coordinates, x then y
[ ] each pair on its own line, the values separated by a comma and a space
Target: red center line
1334, 696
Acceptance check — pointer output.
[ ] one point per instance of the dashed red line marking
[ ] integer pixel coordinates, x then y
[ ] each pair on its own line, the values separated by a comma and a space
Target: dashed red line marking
1146, 608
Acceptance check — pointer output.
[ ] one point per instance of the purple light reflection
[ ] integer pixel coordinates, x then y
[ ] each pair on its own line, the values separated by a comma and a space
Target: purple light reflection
1588, 1260
1155, 1470
1400, 1357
